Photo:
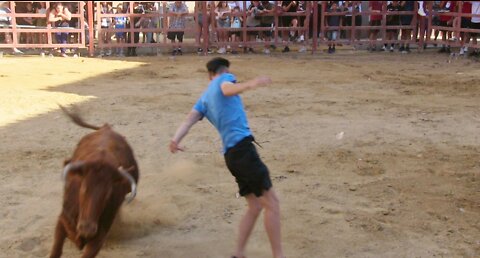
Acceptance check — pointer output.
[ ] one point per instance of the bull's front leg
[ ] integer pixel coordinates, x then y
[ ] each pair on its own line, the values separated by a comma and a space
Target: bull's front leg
93, 246
60, 235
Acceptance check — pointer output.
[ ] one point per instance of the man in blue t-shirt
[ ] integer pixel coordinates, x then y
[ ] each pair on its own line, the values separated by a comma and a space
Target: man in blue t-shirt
223, 107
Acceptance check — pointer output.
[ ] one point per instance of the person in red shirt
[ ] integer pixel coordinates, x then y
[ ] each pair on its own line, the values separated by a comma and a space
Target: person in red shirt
375, 20
446, 21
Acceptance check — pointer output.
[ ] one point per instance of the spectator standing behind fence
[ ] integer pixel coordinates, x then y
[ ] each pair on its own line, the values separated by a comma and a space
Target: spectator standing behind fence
406, 20
375, 20
333, 21
200, 19
465, 24
137, 9
446, 21
236, 24
59, 16
222, 16
475, 24
253, 21
39, 7
26, 8
351, 7
178, 10
5, 23
392, 20
266, 21
289, 21
105, 23
119, 24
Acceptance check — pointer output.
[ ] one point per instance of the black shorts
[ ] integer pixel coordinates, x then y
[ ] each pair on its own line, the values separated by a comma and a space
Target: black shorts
250, 172
236, 33
175, 34
465, 22
443, 24
475, 26
267, 33
375, 23
252, 33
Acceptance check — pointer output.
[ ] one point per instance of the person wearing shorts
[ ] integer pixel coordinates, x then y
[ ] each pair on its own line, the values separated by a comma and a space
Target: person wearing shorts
177, 22
475, 24
289, 21
221, 104
375, 20
392, 20
465, 24
406, 20
446, 21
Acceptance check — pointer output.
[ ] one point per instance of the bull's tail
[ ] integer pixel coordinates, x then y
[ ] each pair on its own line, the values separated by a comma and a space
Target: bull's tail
77, 119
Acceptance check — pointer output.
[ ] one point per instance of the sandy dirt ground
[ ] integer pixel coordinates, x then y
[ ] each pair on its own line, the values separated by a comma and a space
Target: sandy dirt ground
403, 181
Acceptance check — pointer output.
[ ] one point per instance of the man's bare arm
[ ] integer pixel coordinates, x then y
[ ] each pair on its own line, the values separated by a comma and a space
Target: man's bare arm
193, 117
231, 89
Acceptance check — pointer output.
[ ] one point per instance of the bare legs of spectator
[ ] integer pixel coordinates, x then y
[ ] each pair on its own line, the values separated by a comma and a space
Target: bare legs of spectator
8, 40
391, 35
105, 37
234, 40
222, 39
445, 47
373, 38
464, 38
120, 40
406, 35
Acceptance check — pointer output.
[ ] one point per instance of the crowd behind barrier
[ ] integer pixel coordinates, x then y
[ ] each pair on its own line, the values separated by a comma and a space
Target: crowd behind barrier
120, 27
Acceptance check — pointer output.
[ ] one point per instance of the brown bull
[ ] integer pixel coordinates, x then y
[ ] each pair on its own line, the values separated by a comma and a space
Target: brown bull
96, 183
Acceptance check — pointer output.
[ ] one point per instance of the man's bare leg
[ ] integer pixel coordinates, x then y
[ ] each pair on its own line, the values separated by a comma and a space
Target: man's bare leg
247, 223
270, 203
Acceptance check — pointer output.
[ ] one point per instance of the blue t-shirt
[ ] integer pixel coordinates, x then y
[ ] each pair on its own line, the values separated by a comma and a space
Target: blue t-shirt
225, 113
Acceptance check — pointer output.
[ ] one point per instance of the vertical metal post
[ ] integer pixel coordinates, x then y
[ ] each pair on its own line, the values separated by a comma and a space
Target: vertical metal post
165, 22
91, 28
205, 21
315, 28
353, 31
414, 23
322, 20
49, 26
244, 25
384, 21
15, 34
276, 23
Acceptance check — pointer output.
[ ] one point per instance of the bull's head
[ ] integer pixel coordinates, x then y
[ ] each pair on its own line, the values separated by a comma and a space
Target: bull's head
98, 181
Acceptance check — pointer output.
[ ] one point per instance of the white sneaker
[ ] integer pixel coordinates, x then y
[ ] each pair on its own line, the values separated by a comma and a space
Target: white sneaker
266, 51
384, 48
301, 38
391, 49
222, 50
421, 12
303, 49
462, 52
17, 51
109, 52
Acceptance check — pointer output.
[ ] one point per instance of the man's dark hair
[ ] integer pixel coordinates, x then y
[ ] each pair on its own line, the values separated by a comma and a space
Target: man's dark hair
217, 64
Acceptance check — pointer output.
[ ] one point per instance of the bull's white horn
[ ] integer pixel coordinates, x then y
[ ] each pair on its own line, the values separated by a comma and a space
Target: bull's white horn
70, 166
133, 184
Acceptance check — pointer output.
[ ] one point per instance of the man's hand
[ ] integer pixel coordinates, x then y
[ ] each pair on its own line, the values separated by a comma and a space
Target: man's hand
174, 147
262, 81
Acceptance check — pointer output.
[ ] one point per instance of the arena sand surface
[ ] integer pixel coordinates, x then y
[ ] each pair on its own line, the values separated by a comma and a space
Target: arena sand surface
404, 181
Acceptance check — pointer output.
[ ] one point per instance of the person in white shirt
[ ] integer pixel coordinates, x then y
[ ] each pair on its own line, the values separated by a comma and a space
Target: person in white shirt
475, 24
5, 23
